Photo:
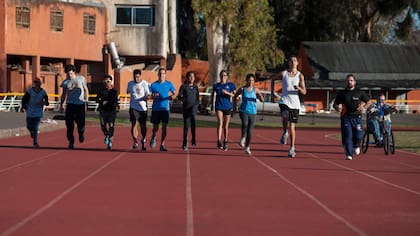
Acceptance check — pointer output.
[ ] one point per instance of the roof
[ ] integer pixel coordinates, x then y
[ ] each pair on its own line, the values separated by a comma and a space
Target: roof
367, 61
364, 84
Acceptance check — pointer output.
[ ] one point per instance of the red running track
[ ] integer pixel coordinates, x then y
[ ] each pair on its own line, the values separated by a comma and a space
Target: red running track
205, 191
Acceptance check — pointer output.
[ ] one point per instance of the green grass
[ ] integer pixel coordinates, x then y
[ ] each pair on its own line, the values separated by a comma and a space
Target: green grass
407, 140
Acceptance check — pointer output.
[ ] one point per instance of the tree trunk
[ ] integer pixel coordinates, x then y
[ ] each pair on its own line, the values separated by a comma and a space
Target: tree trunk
172, 27
217, 40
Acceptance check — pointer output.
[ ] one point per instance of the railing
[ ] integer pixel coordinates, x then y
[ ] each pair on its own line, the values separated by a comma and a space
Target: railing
405, 106
13, 102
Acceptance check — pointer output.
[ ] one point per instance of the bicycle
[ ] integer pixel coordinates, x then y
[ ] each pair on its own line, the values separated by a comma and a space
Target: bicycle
388, 140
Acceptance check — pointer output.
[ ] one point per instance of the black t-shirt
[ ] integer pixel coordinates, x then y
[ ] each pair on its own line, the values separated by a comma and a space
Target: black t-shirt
108, 95
351, 99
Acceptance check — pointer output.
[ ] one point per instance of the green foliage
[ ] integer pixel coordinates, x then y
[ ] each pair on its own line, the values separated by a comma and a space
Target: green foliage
192, 35
253, 44
341, 20
253, 36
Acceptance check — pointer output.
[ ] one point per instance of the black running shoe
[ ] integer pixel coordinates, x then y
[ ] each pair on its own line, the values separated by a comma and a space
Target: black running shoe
163, 148
219, 145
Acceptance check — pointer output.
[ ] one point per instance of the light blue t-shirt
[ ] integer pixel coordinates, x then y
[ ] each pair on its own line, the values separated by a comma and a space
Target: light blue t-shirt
161, 103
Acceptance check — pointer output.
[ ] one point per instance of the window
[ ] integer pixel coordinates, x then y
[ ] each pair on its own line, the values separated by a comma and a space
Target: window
23, 17
89, 22
143, 15
56, 20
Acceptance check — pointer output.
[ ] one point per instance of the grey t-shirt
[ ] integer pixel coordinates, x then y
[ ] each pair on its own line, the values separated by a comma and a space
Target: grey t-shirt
76, 93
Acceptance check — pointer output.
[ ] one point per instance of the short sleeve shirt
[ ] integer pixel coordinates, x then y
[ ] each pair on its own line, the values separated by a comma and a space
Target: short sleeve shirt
138, 92
36, 106
76, 93
161, 103
351, 99
223, 101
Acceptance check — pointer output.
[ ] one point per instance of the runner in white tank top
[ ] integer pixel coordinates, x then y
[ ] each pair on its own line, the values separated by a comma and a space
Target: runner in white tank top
293, 83
290, 95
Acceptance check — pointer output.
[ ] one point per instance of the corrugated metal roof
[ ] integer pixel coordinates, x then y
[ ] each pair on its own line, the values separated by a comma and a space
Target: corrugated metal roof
364, 84
362, 58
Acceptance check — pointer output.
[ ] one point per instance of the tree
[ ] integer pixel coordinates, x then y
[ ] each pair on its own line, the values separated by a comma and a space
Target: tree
342, 20
240, 35
192, 38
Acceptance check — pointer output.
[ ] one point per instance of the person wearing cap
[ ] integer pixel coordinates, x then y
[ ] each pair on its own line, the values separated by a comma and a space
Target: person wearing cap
139, 93
108, 103
75, 95
33, 102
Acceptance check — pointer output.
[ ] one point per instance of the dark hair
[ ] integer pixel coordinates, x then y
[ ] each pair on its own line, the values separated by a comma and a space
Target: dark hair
108, 77
161, 69
221, 72
249, 76
69, 67
350, 75
189, 73
137, 72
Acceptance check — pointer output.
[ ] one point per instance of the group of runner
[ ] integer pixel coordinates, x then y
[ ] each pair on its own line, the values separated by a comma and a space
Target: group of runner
225, 96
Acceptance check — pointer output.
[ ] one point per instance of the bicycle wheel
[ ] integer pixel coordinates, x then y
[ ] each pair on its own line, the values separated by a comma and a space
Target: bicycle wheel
386, 143
365, 142
391, 143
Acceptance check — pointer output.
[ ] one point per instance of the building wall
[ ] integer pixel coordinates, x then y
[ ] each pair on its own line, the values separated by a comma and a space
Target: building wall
40, 40
140, 40
38, 43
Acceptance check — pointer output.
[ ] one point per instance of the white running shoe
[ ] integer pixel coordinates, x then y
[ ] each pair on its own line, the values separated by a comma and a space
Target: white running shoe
248, 150
357, 151
292, 152
349, 158
283, 139
153, 142
242, 142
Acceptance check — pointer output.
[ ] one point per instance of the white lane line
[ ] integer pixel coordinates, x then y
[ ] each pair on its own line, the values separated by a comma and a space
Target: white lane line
190, 212
29, 162
36, 160
372, 176
51, 203
368, 175
395, 160
313, 198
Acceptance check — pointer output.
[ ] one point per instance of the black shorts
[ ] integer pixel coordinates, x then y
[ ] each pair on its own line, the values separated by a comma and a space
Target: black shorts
140, 116
159, 116
292, 115
225, 112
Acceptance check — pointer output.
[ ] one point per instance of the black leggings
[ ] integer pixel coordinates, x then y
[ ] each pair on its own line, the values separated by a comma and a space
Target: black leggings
189, 122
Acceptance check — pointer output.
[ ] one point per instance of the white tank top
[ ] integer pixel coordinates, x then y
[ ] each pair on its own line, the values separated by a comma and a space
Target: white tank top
290, 95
